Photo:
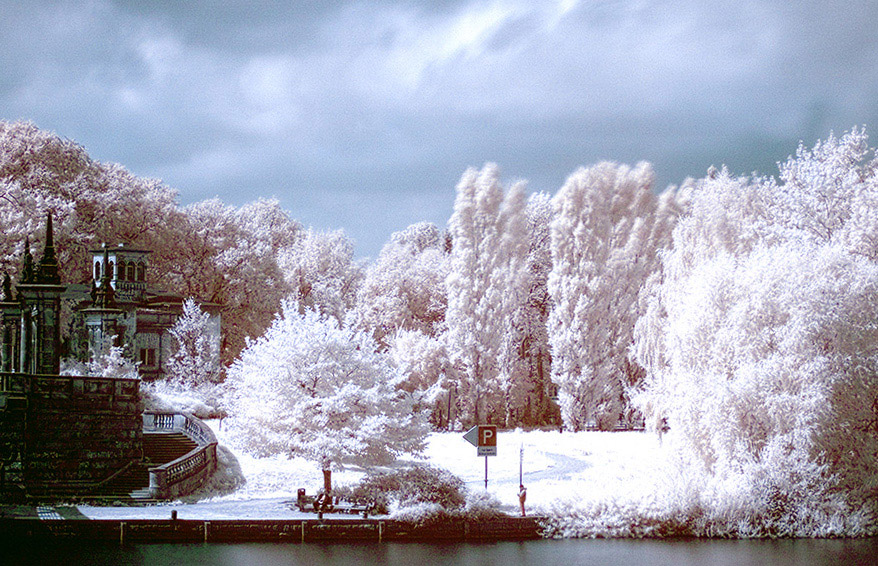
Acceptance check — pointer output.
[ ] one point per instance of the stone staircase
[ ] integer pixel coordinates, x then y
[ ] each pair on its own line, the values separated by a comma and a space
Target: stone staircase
162, 447
133, 484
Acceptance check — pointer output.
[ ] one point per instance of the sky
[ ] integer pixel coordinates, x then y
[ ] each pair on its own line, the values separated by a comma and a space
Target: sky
363, 116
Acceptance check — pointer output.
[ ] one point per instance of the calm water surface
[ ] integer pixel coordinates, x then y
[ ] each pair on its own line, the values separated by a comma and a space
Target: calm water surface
540, 552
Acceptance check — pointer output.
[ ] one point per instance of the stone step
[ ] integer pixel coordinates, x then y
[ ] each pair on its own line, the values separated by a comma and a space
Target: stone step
142, 495
161, 448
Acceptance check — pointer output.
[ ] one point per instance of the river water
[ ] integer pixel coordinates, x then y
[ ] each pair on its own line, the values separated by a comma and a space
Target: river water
618, 552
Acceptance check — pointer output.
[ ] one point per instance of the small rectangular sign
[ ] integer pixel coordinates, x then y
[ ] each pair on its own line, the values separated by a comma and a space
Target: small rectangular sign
486, 451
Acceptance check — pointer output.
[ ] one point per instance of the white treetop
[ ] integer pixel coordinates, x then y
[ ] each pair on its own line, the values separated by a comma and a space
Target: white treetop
321, 272
527, 362
229, 256
208, 250
405, 287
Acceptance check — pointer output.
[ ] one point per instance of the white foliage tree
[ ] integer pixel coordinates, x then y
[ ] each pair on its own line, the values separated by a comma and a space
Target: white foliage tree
196, 361
527, 364
761, 344
108, 360
90, 202
486, 284
230, 256
422, 362
314, 388
320, 271
405, 287
602, 253
208, 250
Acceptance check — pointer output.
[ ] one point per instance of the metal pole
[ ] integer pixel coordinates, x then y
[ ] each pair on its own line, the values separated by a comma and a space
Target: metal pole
520, 465
486, 473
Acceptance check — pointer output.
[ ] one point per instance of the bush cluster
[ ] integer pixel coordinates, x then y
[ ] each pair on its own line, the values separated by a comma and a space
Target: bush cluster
407, 487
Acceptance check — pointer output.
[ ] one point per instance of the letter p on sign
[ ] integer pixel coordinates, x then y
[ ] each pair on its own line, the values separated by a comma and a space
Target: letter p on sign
487, 435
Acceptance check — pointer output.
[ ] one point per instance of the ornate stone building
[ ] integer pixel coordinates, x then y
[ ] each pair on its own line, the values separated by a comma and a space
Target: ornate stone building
31, 325
88, 436
120, 303
58, 434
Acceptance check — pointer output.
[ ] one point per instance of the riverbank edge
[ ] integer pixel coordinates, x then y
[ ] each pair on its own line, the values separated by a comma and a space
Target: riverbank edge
273, 530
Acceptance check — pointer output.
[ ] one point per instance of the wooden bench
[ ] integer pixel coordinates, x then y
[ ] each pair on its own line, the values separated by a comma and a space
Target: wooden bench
322, 504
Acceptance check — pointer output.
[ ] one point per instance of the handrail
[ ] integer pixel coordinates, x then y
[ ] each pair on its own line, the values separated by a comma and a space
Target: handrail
190, 471
14, 382
112, 476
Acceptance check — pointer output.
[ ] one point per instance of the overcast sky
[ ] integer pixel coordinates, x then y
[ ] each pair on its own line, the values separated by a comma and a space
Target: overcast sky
364, 115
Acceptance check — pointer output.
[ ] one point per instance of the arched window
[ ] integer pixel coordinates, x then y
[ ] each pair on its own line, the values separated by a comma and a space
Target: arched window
120, 273
131, 276
97, 271
111, 269
141, 272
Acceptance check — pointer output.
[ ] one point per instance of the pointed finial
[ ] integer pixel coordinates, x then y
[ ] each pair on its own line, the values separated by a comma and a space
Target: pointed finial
50, 233
27, 267
104, 296
47, 272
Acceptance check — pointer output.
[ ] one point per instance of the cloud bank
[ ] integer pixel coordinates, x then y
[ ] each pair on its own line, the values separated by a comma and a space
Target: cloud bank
363, 115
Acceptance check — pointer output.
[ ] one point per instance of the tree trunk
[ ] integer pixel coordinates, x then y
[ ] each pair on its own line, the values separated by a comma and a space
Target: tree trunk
327, 481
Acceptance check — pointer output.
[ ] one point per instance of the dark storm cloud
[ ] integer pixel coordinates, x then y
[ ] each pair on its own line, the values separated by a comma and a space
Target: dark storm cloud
363, 115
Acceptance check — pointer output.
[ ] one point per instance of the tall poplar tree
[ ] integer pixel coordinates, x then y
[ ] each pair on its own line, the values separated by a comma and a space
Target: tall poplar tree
602, 253
485, 286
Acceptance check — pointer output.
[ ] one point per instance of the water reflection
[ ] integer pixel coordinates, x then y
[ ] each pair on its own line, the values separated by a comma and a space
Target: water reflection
684, 552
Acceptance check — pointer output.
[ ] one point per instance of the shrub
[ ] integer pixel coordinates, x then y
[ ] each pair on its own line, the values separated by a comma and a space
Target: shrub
408, 487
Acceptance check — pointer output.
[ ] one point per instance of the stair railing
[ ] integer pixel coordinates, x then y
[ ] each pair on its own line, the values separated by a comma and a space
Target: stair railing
190, 471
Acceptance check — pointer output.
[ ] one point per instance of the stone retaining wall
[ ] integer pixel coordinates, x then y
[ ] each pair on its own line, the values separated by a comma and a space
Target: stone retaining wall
293, 531
77, 431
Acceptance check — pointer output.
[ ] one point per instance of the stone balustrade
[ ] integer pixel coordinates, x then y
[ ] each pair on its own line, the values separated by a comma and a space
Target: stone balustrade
190, 471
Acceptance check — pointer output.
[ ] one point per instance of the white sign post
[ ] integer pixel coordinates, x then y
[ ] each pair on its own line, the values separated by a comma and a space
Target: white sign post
484, 438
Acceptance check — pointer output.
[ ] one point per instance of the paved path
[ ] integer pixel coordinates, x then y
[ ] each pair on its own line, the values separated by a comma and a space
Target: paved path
46, 513
230, 509
41, 512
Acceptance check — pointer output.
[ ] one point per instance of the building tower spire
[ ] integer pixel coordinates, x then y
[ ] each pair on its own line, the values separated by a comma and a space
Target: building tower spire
39, 297
11, 320
102, 318
47, 272
105, 297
